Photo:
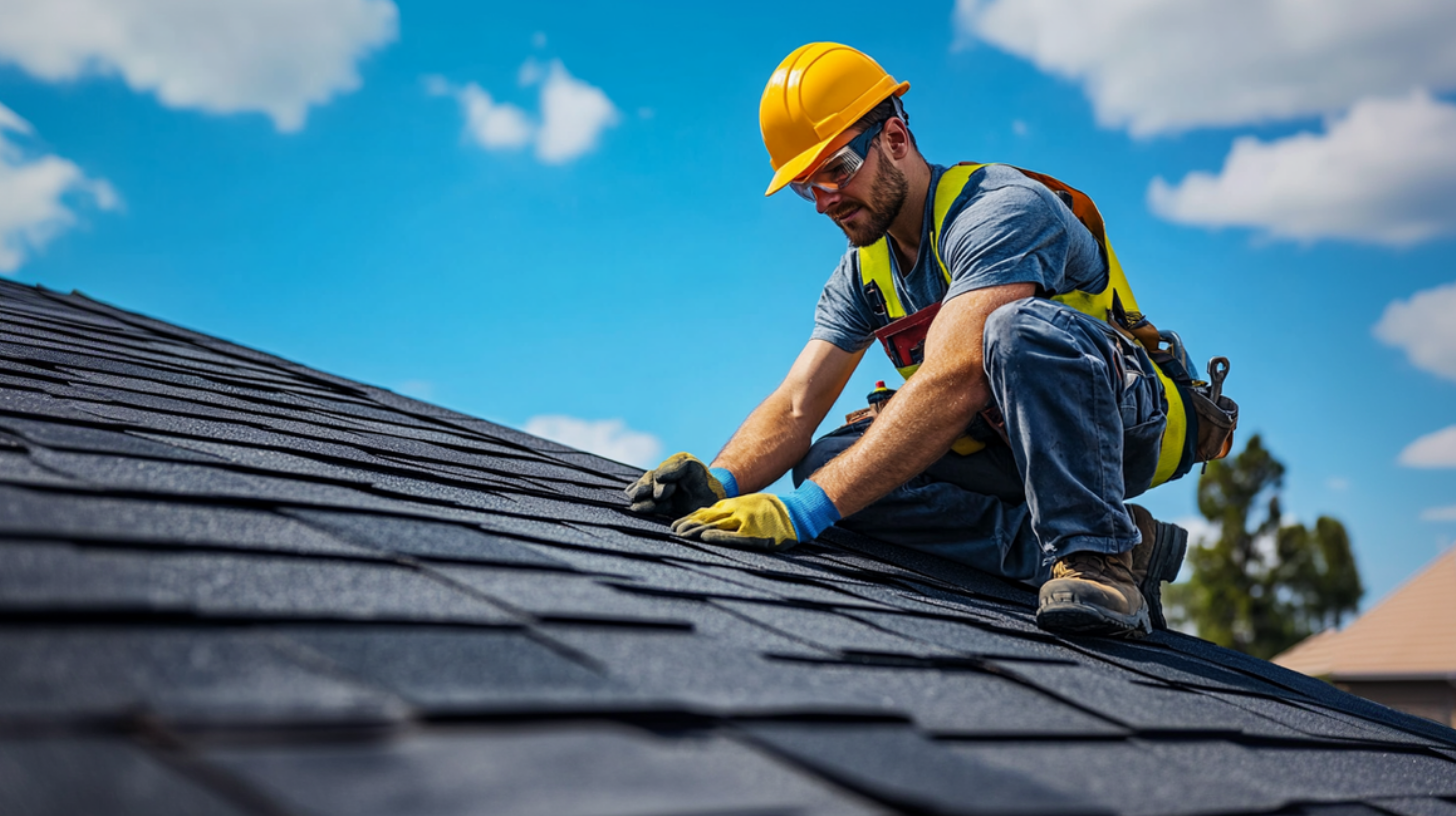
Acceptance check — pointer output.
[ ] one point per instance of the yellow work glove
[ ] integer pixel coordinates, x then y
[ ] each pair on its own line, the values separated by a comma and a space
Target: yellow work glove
680, 485
762, 521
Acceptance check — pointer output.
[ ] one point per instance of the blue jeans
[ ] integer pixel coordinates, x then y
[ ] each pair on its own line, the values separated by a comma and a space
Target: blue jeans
1084, 415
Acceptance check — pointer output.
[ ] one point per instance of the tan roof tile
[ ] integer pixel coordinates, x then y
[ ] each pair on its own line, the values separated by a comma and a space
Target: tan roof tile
1412, 633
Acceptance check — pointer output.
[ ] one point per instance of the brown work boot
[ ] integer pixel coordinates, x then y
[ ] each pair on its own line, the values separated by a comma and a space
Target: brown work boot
1093, 593
1156, 559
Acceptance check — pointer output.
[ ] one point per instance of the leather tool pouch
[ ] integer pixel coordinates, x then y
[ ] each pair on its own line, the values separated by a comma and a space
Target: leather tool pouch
1217, 415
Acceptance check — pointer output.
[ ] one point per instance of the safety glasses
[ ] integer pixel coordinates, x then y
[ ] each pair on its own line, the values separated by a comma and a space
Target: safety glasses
837, 170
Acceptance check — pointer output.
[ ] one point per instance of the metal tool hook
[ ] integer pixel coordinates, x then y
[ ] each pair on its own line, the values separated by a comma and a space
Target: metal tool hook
1218, 369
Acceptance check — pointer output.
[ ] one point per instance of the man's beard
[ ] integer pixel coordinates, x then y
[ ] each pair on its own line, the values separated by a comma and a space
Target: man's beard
887, 197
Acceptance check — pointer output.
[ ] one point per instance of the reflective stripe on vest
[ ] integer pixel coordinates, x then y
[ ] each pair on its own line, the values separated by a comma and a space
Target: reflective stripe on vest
876, 267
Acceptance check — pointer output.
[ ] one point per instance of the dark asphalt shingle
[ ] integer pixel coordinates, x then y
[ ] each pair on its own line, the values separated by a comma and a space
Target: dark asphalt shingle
424, 538
152, 522
566, 770
454, 668
222, 676
74, 775
1414, 806
1145, 705
895, 764
55, 577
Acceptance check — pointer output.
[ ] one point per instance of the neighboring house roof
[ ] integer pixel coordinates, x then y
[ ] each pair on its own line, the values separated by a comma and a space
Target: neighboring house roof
232, 584
1410, 635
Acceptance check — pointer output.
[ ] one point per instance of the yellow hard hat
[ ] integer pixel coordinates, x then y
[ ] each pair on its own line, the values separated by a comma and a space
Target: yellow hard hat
814, 95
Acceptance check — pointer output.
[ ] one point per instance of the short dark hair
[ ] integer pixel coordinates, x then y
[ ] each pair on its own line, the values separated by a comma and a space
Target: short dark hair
889, 108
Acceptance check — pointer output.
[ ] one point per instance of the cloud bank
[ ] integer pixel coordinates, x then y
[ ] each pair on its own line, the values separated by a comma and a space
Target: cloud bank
1371, 71
275, 57
573, 115
38, 192
1153, 66
1381, 174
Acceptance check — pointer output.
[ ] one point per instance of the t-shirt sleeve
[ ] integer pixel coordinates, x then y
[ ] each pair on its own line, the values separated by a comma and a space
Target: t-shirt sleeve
1007, 235
842, 317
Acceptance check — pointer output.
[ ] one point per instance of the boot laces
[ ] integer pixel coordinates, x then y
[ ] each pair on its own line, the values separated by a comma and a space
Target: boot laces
1093, 566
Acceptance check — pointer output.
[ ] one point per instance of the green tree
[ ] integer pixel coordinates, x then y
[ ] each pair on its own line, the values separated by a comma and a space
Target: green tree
1262, 588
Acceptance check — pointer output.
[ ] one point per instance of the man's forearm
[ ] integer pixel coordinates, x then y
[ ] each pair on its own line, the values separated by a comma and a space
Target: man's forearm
773, 438
930, 412
916, 428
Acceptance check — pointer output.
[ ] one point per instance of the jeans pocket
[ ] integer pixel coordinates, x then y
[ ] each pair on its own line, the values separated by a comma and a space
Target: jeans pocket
1141, 445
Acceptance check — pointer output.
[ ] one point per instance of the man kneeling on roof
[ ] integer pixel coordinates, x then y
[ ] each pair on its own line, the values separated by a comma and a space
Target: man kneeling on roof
1035, 408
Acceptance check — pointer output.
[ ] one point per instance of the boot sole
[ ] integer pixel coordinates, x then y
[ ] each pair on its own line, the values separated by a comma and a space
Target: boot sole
1170, 547
1072, 618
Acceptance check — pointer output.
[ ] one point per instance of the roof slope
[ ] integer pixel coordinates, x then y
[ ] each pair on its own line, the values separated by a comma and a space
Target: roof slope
1411, 634
231, 584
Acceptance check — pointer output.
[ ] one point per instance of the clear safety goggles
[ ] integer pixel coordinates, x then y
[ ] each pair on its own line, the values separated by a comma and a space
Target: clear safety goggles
837, 170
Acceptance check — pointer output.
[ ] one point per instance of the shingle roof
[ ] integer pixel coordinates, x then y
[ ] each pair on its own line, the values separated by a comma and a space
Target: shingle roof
233, 584
1410, 634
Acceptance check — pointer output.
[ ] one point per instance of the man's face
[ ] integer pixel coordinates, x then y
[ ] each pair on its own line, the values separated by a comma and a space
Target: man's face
866, 207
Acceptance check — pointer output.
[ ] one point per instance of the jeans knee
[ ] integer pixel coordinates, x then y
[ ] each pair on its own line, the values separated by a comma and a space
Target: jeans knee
1010, 325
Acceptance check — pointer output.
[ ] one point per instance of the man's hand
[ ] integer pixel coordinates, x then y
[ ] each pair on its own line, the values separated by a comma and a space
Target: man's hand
678, 486
762, 521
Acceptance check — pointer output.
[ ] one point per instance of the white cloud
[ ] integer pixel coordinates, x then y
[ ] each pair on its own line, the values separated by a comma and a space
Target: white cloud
419, 389
1377, 174
276, 57
1434, 450
605, 437
573, 116
1439, 514
11, 121
1339, 484
1424, 328
37, 193
1156, 66
573, 113
493, 124
1382, 174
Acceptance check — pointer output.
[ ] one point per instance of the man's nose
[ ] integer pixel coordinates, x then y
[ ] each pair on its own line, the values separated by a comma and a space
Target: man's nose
824, 200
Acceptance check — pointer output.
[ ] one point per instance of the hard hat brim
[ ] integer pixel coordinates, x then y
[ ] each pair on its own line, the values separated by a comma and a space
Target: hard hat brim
795, 167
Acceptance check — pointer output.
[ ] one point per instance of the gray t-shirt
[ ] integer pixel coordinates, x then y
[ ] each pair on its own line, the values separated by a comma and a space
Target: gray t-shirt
1003, 228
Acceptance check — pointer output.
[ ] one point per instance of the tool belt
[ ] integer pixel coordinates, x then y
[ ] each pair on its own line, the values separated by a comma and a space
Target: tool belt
1215, 416
1212, 417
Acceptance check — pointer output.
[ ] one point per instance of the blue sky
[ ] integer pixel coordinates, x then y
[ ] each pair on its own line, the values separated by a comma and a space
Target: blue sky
550, 215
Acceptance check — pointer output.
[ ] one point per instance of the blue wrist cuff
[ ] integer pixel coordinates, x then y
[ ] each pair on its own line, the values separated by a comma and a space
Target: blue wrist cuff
810, 510
725, 477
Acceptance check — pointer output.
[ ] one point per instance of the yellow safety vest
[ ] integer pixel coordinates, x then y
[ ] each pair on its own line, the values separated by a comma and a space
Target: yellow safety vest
875, 267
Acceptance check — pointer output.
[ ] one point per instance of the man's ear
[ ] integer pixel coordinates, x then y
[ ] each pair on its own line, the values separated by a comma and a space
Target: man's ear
896, 137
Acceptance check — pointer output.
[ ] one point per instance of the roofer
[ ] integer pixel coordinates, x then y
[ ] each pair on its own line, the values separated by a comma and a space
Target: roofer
1036, 406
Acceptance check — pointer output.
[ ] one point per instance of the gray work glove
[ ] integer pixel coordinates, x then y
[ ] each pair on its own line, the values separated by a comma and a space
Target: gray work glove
675, 488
